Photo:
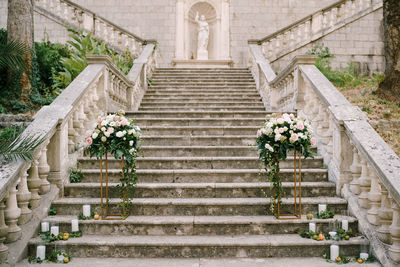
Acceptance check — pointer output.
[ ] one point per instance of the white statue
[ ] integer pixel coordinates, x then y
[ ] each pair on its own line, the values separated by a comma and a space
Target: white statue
202, 38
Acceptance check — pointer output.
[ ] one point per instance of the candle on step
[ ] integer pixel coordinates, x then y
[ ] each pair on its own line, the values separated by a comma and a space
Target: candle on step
321, 208
312, 227
74, 225
41, 252
86, 210
364, 256
345, 225
54, 230
45, 227
60, 258
334, 252
332, 234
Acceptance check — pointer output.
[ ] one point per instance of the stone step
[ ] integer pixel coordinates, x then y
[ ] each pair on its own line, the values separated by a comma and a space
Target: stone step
201, 83
208, 91
202, 108
178, 104
161, 79
255, 122
195, 151
197, 114
205, 87
195, 225
206, 176
199, 163
204, 142
198, 206
121, 246
238, 99
201, 190
201, 94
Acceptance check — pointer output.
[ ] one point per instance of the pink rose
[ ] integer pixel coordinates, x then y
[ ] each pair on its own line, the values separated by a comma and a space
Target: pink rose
89, 141
258, 133
124, 122
300, 126
116, 118
88, 133
110, 130
313, 141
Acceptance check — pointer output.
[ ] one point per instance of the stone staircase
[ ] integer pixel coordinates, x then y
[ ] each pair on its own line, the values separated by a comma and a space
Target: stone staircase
199, 193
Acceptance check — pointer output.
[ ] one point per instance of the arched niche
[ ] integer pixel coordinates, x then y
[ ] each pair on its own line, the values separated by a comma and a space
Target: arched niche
217, 16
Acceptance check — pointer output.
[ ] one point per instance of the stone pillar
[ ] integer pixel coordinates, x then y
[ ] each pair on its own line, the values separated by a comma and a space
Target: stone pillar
34, 183
385, 216
3, 234
355, 169
23, 197
365, 183
44, 170
225, 30
180, 30
394, 250
374, 197
12, 213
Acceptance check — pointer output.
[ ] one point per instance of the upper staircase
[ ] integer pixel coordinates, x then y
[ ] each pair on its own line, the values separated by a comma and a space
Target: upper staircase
199, 190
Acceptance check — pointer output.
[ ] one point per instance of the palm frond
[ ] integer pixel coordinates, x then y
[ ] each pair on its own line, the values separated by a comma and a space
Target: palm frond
12, 54
20, 148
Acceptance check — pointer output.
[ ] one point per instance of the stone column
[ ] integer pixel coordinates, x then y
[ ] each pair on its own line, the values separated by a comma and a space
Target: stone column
34, 183
385, 216
3, 234
44, 170
12, 213
374, 197
355, 169
23, 197
365, 183
225, 29
394, 250
180, 30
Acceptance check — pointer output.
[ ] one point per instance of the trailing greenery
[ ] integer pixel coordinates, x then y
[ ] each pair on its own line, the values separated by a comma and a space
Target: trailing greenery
52, 211
278, 136
52, 257
326, 214
75, 175
340, 235
82, 217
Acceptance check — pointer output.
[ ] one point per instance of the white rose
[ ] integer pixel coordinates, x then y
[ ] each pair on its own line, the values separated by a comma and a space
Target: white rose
103, 138
103, 123
293, 138
280, 121
277, 137
119, 134
103, 129
94, 135
131, 143
107, 134
137, 134
112, 123
267, 146
131, 150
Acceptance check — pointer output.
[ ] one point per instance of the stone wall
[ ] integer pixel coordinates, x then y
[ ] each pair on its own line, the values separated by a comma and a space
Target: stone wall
249, 19
359, 42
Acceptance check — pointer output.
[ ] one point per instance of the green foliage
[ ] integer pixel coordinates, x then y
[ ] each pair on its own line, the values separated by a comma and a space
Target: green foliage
49, 237
75, 175
52, 211
14, 146
82, 217
327, 214
52, 257
12, 53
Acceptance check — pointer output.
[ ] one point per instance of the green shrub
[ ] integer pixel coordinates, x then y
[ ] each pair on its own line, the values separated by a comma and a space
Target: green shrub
75, 175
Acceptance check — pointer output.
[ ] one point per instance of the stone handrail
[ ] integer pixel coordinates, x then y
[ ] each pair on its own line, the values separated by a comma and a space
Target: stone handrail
313, 27
28, 188
364, 168
74, 16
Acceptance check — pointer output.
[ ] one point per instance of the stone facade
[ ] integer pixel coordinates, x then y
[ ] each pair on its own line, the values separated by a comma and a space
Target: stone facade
249, 19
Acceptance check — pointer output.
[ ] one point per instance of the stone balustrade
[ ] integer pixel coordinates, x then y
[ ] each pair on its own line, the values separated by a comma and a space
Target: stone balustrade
364, 168
313, 27
100, 88
80, 18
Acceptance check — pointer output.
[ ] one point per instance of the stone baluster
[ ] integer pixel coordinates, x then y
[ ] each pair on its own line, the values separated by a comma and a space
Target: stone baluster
374, 197
3, 234
34, 183
325, 18
24, 197
355, 169
365, 183
71, 133
329, 135
333, 18
65, 9
51, 6
353, 8
277, 45
394, 250
307, 30
112, 38
12, 213
385, 216
291, 38
44, 170
269, 49
77, 125
300, 31
58, 8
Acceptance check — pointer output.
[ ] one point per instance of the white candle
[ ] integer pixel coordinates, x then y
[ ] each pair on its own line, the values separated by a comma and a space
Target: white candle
45, 227
41, 252
312, 227
60, 258
345, 225
321, 208
364, 256
332, 234
54, 230
334, 252
74, 225
86, 210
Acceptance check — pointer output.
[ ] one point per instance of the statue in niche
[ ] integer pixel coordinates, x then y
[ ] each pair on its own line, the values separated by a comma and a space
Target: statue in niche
202, 37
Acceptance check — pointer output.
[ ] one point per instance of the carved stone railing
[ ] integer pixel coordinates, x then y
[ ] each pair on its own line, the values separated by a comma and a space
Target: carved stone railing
364, 168
28, 188
74, 16
315, 26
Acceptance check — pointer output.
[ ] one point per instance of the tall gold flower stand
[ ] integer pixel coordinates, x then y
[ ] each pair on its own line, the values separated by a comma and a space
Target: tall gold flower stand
297, 192
105, 209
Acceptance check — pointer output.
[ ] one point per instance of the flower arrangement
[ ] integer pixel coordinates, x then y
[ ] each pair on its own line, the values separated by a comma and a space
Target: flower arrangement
117, 135
279, 135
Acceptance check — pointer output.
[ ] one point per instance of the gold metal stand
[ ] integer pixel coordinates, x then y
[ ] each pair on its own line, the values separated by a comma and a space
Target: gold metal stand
297, 198
105, 215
